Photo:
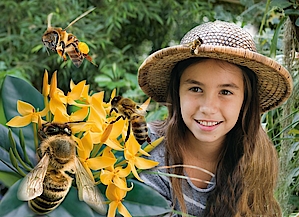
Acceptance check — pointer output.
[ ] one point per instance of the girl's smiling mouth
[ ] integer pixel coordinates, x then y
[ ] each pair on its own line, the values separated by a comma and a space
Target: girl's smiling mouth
208, 123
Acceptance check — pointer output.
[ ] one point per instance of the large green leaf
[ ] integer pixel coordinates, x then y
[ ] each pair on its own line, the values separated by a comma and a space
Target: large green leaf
144, 201
15, 89
10, 206
8, 178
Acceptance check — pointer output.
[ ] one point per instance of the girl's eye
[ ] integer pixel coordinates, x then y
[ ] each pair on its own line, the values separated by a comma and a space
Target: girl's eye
196, 89
225, 92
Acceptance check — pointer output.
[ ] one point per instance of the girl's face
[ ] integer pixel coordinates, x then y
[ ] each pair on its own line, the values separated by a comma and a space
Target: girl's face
211, 96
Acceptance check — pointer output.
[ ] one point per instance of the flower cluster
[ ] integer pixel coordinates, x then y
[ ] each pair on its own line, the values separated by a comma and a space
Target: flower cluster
101, 147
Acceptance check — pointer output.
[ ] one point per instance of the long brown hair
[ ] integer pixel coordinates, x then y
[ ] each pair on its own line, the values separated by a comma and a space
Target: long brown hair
247, 170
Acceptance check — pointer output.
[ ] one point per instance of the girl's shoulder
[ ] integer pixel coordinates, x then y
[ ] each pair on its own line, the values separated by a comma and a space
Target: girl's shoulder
158, 153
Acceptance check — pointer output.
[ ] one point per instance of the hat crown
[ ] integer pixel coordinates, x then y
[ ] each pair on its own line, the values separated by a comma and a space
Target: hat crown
220, 33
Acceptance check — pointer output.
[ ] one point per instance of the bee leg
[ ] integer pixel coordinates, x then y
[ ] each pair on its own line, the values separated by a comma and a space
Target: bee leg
113, 109
128, 132
149, 141
118, 118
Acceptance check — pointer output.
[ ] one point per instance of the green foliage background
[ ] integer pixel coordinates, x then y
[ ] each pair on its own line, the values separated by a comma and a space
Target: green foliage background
122, 33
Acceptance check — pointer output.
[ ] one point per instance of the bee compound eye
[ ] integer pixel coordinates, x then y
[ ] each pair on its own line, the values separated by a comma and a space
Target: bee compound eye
52, 130
67, 131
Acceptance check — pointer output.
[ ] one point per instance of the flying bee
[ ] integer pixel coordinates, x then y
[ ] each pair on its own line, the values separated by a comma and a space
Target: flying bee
58, 40
127, 108
48, 183
194, 45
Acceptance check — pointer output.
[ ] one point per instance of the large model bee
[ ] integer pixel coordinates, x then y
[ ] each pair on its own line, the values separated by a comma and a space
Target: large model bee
135, 115
58, 40
48, 183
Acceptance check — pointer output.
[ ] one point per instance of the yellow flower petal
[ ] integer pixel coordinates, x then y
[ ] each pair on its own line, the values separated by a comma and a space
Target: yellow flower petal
100, 162
106, 177
44, 112
95, 137
75, 93
87, 143
79, 115
56, 103
25, 108
19, 121
123, 210
87, 169
106, 133
53, 84
118, 127
121, 183
112, 209
46, 86
60, 117
142, 163
113, 93
134, 171
108, 153
114, 193
132, 145
97, 104
114, 144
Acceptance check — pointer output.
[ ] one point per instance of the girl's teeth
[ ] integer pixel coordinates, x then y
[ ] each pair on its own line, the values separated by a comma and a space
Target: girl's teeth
208, 123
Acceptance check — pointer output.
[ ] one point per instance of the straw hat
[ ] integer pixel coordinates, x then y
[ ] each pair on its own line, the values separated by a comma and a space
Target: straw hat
218, 40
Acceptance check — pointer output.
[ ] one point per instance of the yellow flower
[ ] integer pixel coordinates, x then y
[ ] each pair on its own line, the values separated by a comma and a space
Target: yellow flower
131, 155
63, 117
102, 132
57, 97
85, 147
116, 176
46, 86
28, 115
84, 97
77, 93
116, 195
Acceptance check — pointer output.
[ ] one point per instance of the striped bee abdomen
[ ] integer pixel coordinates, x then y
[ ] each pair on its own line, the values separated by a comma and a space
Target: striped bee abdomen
55, 187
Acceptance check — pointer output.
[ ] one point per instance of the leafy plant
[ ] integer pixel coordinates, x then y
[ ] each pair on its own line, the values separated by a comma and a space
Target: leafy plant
18, 152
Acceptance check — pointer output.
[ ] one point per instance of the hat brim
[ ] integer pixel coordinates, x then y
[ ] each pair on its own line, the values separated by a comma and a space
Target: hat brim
274, 81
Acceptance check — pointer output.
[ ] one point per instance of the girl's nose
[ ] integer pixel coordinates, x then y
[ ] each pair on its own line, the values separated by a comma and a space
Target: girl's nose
208, 104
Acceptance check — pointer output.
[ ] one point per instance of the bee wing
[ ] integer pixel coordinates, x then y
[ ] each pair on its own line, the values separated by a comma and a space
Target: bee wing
32, 184
140, 112
87, 190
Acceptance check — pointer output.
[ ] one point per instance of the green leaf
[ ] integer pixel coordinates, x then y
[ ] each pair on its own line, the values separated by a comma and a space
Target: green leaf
291, 12
281, 3
5, 145
138, 204
11, 206
275, 37
15, 89
8, 178
15, 151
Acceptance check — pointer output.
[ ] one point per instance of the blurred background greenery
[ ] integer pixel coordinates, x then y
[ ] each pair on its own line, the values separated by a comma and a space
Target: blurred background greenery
122, 33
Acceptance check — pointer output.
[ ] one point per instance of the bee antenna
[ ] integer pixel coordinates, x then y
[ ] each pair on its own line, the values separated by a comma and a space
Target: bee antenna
49, 19
78, 18
74, 122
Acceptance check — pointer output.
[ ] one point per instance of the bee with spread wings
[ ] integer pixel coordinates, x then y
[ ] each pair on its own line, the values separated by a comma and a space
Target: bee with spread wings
58, 40
48, 183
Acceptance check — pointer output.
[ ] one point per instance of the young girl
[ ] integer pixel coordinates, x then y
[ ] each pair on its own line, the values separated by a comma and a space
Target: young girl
216, 86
